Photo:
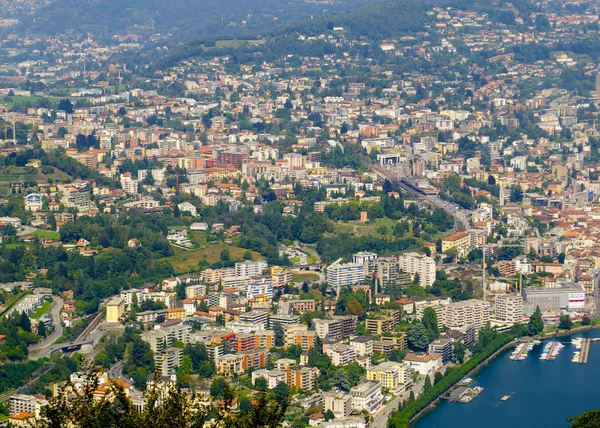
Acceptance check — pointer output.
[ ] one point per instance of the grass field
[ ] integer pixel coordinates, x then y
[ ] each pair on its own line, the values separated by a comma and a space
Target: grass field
15, 173
187, 261
304, 276
20, 99
48, 234
237, 43
363, 229
42, 310
14, 245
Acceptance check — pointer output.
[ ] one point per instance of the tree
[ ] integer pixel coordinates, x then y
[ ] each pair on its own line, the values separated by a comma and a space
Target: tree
261, 384
417, 337
427, 385
225, 256
353, 307
459, 351
430, 322
278, 334
536, 323
588, 419
41, 329
437, 377
25, 322
281, 392
586, 321
65, 105
329, 415
565, 322
341, 380
218, 387
166, 407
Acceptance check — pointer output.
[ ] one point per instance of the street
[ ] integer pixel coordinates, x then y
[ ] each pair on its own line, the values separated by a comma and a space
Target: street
57, 305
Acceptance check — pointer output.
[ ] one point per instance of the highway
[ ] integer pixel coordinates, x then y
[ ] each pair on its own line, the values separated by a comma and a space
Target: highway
57, 305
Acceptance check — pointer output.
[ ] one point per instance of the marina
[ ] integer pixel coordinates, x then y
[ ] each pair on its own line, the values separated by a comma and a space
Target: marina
551, 350
522, 351
583, 350
469, 394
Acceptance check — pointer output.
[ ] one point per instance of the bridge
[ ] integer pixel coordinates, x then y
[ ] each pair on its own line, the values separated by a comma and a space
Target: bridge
316, 267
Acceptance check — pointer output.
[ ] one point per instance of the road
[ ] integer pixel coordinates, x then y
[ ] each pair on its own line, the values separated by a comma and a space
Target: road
26, 230
381, 417
57, 305
116, 371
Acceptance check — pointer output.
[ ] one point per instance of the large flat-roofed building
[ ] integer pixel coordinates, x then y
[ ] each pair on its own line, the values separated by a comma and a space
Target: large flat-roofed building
341, 274
468, 312
418, 264
335, 328
569, 296
304, 378
383, 322
391, 375
509, 308
164, 337
461, 241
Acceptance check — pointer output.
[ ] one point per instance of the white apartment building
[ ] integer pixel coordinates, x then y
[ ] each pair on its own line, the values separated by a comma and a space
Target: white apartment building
509, 308
469, 312
339, 403
250, 268
26, 403
130, 186
273, 377
340, 354
418, 264
340, 274
366, 396
363, 345
164, 337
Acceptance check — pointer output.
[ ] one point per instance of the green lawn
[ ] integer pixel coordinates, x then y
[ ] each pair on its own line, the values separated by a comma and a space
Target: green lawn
48, 234
15, 245
304, 276
185, 261
363, 229
42, 310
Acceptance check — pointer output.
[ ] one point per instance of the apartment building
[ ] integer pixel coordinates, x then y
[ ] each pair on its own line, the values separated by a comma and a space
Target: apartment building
418, 264
391, 375
338, 402
273, 377
367, 396
250, 268
341, 274
341, 354
336, 327
383, 321
461, 241
469, 312
164, 337
363, 345
284, 319
258, 318
26, 403
442, 347
168, 360
305, 378
509, 308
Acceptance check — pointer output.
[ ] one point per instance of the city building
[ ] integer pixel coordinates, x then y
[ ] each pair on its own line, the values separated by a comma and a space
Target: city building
338, 402
335, 328
568, 296
341, 354
468, 312
366, 396
418, 264
391, 375
115, 308
442, 347
383, 321
509, 308
341, 274
424, 364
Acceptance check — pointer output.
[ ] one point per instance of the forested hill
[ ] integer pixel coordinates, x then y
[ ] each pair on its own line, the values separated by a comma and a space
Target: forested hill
186, 19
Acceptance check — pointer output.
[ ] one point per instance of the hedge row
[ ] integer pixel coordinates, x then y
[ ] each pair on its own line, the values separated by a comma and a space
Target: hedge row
401, 419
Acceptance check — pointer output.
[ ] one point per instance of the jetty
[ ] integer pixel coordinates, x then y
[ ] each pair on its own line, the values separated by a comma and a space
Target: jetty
585, 351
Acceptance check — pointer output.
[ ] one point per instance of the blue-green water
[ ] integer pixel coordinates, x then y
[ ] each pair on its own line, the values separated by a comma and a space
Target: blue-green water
544, 393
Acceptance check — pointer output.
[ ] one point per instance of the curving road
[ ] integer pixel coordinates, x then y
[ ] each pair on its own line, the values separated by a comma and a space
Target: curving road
57, 305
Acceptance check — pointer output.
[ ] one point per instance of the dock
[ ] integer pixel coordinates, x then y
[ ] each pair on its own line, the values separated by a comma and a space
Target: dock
523, 350
585, 351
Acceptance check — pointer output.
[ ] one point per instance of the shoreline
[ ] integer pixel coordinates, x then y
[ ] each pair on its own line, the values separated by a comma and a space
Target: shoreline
489, 359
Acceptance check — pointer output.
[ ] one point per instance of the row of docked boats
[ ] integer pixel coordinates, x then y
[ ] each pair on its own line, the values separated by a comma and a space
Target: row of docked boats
551, 350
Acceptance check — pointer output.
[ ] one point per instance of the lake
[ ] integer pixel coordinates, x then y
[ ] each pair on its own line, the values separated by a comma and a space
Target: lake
544, 393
